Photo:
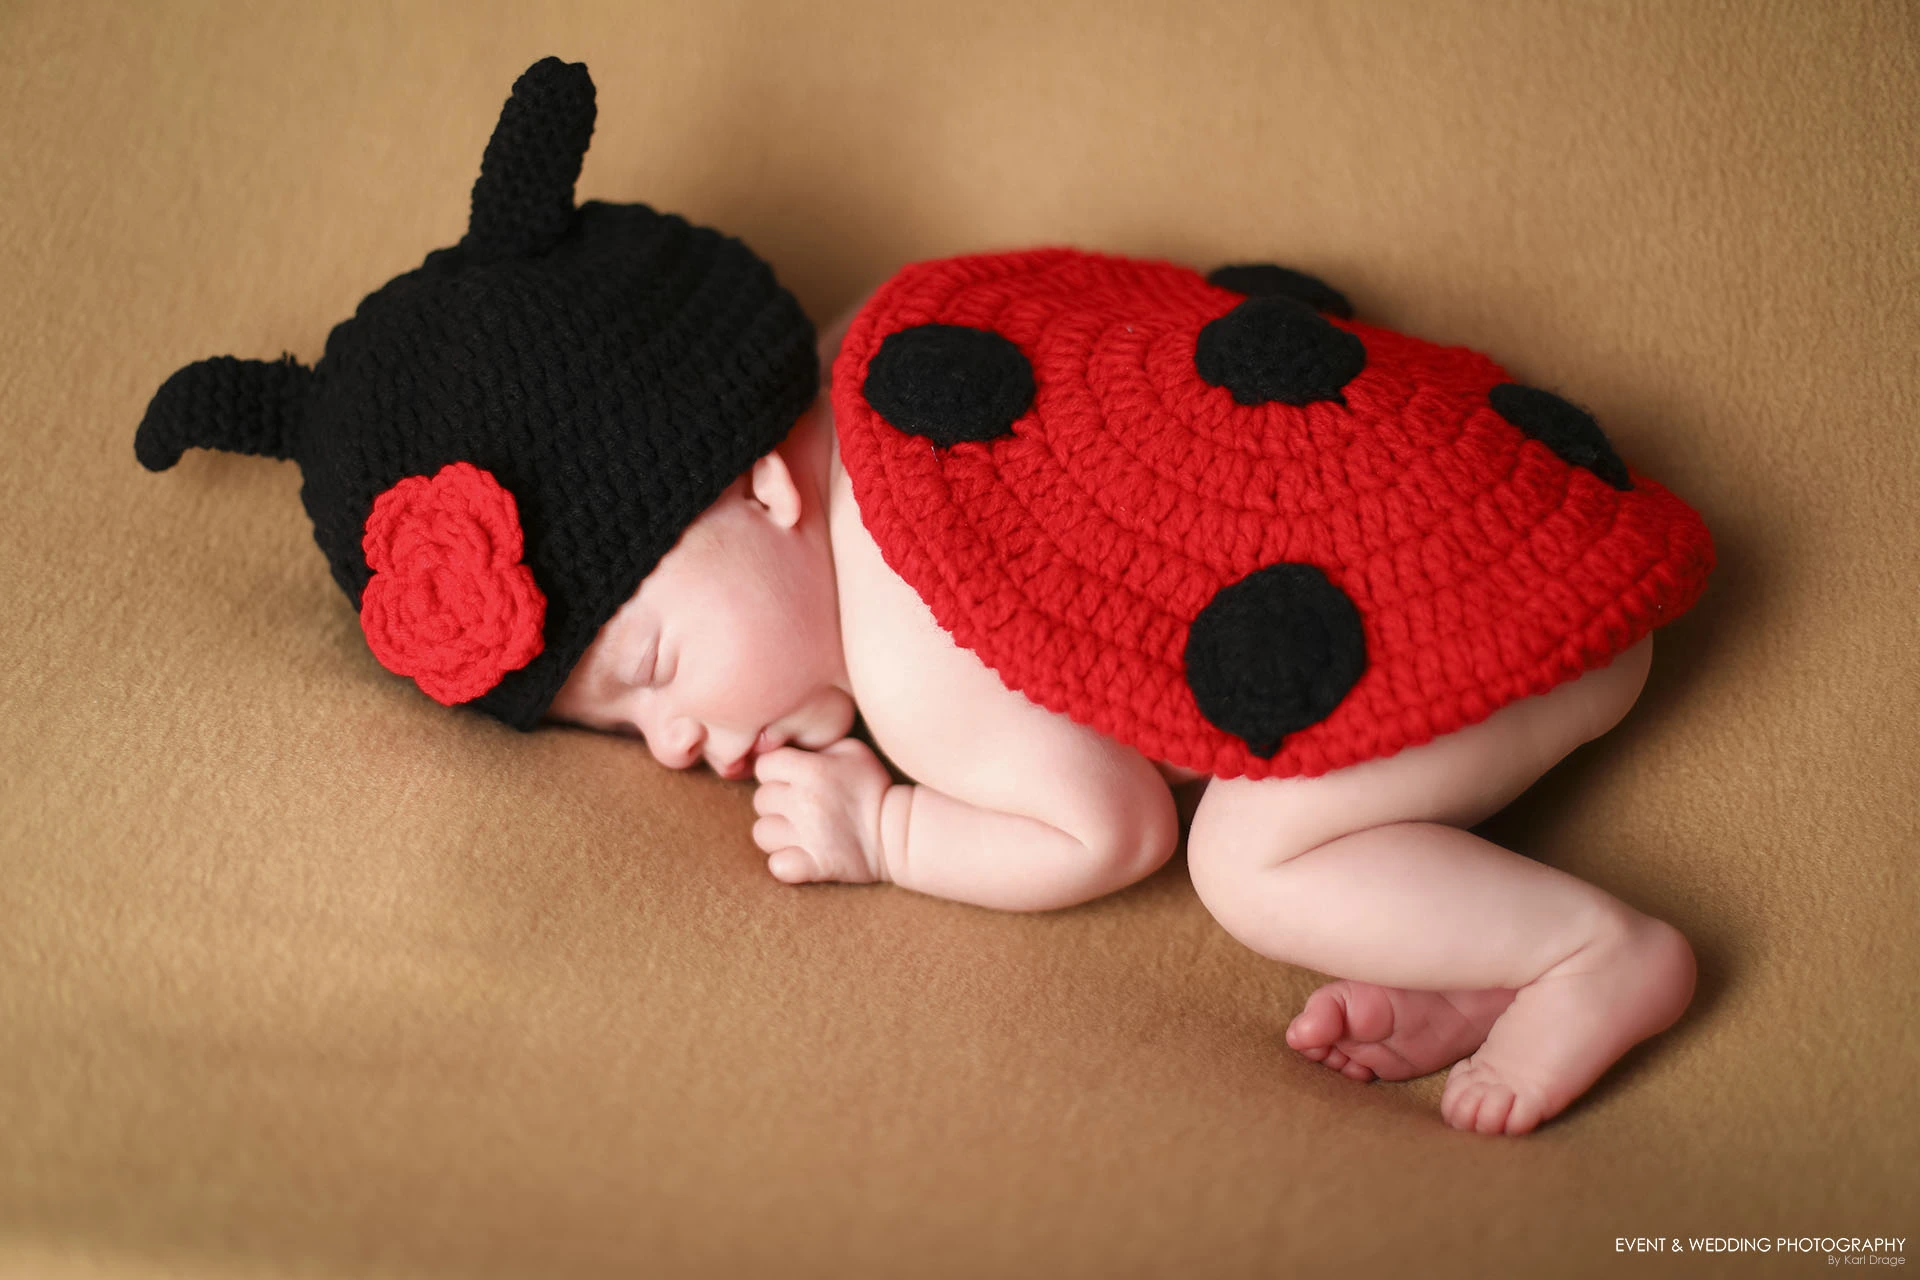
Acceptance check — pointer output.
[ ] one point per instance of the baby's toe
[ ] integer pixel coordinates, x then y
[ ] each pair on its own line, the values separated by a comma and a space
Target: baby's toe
1461, 1109
1495, 1106
1525, 1116
1460, 1102
1369, 1012
1478, 1101
1319, 1023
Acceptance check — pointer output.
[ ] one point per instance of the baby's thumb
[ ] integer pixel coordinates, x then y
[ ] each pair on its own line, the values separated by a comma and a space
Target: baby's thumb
849, 747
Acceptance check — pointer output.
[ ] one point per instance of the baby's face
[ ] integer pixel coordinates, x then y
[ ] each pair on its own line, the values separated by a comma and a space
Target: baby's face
731, 646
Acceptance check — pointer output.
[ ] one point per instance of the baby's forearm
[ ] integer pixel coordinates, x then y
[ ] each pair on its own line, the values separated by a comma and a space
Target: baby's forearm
935, 844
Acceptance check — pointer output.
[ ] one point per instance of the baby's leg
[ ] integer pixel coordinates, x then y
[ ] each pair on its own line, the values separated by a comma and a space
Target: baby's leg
1356, 874
1436, 909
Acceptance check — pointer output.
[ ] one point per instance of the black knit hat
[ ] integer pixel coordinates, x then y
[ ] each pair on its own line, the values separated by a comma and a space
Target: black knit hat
501, 444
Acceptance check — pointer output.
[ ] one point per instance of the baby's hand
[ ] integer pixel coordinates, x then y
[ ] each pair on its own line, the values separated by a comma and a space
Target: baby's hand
820, 812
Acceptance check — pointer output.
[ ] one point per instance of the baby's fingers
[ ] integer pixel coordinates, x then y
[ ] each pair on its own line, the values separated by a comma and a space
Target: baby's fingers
779, 764
774, 832
771, 797
791, 866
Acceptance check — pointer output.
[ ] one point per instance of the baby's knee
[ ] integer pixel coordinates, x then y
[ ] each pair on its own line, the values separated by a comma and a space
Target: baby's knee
1232, 865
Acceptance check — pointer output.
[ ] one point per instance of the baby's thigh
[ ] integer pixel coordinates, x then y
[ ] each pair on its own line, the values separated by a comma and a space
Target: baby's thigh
1460, 779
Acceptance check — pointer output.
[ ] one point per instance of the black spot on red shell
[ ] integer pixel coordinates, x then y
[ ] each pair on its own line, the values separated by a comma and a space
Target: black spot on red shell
1265, 280
949, 383
1565, 428
1280, 349
1273, 653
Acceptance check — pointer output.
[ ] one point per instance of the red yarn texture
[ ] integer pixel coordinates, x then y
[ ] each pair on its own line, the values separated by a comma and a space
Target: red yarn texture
1073, 555
449, 603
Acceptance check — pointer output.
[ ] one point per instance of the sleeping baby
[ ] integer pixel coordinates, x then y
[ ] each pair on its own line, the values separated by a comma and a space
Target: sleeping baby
1074, 533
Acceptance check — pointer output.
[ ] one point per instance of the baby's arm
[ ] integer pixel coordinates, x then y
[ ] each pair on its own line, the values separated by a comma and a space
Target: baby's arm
949, 848
1053, 814
1015, 807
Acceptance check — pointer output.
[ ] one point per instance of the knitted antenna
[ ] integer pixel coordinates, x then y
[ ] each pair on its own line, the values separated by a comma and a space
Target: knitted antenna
242, 406
523, 199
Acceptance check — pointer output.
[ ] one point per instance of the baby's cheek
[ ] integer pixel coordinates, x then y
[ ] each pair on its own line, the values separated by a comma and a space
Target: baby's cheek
740, 669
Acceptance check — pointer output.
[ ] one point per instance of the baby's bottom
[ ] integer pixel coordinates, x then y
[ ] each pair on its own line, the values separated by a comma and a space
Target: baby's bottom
1452, 945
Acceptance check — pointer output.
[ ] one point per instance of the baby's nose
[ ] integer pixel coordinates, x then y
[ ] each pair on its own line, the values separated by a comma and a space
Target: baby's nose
680, 745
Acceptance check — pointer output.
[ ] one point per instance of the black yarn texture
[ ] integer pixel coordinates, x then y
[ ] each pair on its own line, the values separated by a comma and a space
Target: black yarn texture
1273, 347
949, 383
1266, 280
614, 367
242, 406
1273, 653
1563, 427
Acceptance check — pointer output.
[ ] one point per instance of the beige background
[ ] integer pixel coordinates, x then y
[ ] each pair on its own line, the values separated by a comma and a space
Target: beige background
300, 975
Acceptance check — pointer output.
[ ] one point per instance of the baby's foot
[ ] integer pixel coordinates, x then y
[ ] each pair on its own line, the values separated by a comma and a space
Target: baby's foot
1365, 1031
1568, 1026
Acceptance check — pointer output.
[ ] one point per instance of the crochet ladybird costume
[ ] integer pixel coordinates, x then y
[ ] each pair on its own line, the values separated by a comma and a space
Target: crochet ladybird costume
1222, 521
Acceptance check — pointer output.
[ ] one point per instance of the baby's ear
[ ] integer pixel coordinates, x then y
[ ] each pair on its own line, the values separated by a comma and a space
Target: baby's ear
771, 484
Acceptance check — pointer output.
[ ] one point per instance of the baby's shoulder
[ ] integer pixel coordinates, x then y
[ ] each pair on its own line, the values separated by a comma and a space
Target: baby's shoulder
947, 720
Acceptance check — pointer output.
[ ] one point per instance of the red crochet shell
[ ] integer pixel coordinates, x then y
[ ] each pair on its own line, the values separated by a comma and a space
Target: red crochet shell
1076, 548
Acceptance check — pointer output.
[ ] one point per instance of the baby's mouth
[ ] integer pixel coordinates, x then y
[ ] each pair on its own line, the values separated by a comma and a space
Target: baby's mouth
742, 765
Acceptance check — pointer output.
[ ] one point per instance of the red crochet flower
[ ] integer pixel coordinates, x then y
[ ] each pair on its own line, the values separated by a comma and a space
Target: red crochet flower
450, 604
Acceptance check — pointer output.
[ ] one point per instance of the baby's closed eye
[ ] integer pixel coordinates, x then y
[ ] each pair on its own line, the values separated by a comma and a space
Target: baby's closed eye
645, 668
